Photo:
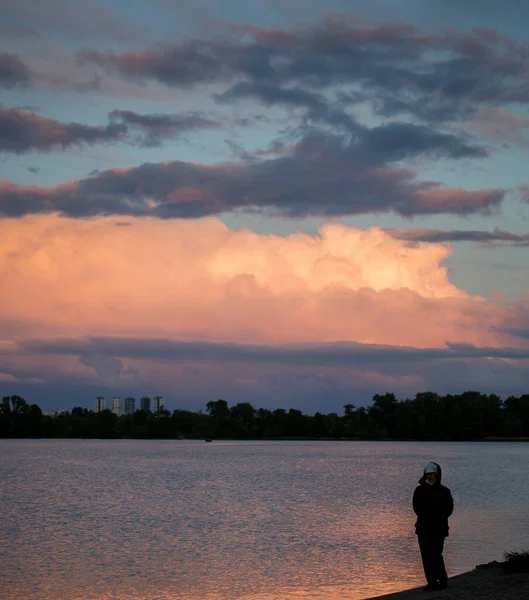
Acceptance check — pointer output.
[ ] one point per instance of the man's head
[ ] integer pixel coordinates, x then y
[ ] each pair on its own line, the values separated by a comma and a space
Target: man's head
430, 472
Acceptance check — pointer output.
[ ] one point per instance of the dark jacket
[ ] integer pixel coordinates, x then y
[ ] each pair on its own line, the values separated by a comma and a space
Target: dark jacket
433, 504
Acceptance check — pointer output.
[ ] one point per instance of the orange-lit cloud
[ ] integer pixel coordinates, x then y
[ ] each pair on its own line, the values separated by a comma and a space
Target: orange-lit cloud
95, 304
201, 280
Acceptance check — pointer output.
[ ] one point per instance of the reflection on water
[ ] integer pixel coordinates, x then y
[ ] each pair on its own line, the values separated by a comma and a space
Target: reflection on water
179, 520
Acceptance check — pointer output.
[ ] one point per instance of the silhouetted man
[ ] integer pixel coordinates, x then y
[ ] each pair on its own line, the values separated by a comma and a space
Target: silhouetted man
433, 504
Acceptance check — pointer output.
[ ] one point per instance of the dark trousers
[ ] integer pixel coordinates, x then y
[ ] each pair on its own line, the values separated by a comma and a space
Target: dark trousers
431, 547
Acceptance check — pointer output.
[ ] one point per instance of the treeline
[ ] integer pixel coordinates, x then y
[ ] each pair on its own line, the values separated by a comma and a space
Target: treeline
429, 416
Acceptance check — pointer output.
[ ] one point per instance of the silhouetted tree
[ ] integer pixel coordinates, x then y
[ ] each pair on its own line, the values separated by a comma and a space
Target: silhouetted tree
219, 413
470, 415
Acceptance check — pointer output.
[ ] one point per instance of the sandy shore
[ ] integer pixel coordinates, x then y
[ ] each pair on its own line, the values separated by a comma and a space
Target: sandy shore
485, 582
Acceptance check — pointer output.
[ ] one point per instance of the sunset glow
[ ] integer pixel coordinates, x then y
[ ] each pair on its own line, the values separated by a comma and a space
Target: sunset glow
266, 206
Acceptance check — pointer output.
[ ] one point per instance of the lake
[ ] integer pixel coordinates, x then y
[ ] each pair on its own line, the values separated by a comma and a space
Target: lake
175, 520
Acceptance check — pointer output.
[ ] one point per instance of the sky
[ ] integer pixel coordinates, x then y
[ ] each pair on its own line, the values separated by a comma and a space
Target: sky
271, 202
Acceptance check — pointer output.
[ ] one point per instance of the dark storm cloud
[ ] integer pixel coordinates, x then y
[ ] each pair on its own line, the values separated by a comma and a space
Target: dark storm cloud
13, 72
22, 131
331, 354
321, 175
398, 68
497, 236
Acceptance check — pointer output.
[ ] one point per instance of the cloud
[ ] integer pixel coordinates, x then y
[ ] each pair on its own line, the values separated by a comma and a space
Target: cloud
398, 141
74, 19
521, 333
500, 124
385, 143
43, 61
397, 68
310, 377
158, 127
199, 280
195, 310
500, 14
320, 175
323, 355
524, 192
497, 236
10, 378
184, 64
7, 378
22, 131
108, 368
318, 375
13, 71
318, 109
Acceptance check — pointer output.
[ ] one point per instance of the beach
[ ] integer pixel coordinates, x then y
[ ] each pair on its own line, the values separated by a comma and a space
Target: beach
485, 582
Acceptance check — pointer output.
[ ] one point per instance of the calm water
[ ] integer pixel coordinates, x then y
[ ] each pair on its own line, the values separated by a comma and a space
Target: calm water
178, 520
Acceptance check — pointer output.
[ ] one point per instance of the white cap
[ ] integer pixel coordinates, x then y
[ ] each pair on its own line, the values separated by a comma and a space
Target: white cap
430, 468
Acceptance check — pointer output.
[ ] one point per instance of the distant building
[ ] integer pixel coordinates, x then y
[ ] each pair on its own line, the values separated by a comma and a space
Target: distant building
130, 405
100, 404
145, 403
117, 406
157, 404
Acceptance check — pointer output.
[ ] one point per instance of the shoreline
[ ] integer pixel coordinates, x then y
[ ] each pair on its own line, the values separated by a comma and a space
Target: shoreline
484, 582
269, 439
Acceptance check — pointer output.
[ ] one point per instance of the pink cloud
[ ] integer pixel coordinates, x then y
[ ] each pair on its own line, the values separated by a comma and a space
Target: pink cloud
23, 131
194, 307
7, 377
200, 280
500, 124
431, 200
45, 63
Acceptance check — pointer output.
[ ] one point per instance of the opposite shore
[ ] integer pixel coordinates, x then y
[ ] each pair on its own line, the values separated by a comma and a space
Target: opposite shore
468, 416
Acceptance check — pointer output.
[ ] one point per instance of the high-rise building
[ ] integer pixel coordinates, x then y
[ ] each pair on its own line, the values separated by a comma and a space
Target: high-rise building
117, 406
130, 405
100, 404
145, 403
157, 404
